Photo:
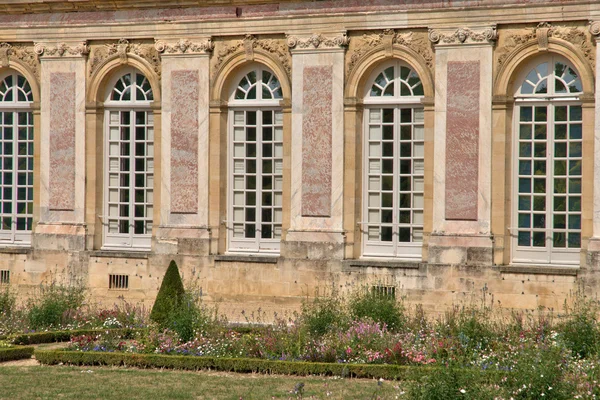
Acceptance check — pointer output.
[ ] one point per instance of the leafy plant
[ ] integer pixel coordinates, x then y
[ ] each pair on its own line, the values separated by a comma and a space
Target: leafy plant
379, 307
322, 314
580, 330
54, 305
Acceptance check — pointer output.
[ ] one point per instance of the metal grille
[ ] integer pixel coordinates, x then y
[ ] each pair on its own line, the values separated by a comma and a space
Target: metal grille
384, 291
120, 282
4, 277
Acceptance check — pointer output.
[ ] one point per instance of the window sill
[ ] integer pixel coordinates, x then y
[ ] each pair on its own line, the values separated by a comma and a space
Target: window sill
538, 270
384, 263
120, 254
11, 249
247, 258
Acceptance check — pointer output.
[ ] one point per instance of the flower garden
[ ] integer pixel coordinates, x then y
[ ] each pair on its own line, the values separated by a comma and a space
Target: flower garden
471, 352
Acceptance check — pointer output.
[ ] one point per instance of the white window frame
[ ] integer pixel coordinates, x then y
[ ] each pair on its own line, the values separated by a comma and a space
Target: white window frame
395, 249
129, 241
236, 245
532, 255
15, 237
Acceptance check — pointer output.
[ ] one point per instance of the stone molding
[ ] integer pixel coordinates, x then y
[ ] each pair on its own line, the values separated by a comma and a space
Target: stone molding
466, 36
123, 49
276, 47
542, 33
62, 49
184, 46
317, 41
24, 54
416, 41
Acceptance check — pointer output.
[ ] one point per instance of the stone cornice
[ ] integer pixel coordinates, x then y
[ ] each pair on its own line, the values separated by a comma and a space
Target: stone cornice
463, 36
317, 41
62, 49
184, 46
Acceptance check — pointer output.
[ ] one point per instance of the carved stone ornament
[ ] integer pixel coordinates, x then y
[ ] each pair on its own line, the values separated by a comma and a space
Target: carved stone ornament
463, 36
318, 41
249, 43
62, 49
595, 28
123, 48
24, 54
541, 34
417, 41
184, 46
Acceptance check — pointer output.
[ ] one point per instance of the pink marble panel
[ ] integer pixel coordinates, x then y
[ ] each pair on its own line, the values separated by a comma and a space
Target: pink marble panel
185, 92
316, 141
462, 140
62, 141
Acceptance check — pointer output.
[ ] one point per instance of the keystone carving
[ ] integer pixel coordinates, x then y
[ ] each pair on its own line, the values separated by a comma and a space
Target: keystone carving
24, 54
62, 50
542, 33
417, 41
122, 49
249, 43
184, 46
317, 41
463, 36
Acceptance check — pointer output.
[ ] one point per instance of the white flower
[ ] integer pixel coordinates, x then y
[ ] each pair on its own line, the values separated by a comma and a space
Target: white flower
463, 391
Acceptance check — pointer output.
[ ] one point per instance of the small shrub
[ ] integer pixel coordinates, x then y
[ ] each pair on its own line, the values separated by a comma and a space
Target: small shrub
580, 331
7, 301
382, 308
54, 305
322, 314
170, 295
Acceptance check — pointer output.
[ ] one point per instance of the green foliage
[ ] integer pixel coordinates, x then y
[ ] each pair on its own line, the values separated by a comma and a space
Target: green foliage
580, 330
65, 336
471, 325
15, 353
539, 375
7, 301
54, 305
451, 382
189, 318
371, 305
323, 314
170, 296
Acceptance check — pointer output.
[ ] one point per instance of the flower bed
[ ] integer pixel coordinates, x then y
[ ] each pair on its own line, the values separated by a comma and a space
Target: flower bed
65, 336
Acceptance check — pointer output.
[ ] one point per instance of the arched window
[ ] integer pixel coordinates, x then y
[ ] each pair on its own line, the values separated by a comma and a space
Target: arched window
255, 177
129, 162
16, 160
393, 156
547, 167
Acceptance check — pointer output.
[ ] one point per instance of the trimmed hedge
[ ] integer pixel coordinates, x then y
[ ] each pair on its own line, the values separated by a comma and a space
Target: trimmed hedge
65, 336
15, 353
399, 372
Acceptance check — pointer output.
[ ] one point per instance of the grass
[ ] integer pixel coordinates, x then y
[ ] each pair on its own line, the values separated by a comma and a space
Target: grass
64, 382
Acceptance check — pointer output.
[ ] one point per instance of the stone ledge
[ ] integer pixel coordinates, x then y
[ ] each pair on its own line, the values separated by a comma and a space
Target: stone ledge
119, 254
247, 258
537, 270
396, 264
15, 250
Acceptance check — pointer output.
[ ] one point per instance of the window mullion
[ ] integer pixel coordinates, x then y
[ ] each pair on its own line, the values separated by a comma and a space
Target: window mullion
549, 179
15, 147
132, 159
396, 178
259, 176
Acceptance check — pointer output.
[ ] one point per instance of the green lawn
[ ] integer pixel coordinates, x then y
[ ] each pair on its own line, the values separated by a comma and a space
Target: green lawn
43, 382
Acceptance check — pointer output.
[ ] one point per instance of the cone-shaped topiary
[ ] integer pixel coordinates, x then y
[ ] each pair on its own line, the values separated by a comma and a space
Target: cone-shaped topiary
169, 296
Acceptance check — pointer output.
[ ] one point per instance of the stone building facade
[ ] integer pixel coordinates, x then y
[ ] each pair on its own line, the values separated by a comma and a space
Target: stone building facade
275, 148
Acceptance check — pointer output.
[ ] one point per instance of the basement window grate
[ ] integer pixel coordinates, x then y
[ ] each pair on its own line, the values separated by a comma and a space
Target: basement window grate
4, 277
118, 282
383, 291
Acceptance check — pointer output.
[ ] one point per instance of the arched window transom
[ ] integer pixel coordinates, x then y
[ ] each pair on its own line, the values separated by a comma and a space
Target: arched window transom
15, 89
259, 85
552, 77
396, 81
132, 87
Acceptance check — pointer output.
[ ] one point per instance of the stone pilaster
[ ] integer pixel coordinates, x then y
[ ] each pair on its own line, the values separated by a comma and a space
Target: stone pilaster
62, 146
184, 155
317, 142
463, 124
